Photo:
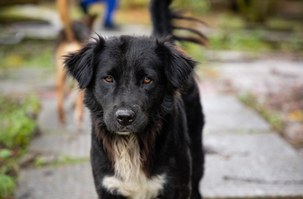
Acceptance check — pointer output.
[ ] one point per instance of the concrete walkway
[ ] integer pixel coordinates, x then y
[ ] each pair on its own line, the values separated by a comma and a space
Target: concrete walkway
245, 158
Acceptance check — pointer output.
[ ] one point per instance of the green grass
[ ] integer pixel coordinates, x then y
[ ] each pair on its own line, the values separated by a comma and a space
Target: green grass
239, 40
227, 20
17, 121
28, 53
7, 186
195, 51
197, 7
59, 161
275, 23
233, 33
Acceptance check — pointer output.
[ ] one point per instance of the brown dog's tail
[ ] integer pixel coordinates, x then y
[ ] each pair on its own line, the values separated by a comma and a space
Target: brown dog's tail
63, 7
162, 19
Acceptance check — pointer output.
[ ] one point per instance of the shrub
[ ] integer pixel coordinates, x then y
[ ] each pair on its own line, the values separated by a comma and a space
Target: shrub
17, 121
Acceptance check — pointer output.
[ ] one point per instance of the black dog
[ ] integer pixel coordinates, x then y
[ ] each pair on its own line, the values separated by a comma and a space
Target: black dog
146, 118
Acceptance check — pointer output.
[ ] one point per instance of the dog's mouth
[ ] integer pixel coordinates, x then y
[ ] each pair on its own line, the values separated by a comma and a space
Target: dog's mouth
123, 133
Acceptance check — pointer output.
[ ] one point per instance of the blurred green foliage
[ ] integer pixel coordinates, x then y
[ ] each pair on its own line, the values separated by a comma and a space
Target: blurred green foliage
7, 186
197, 7
194, 51
238, 40
17, 121
255, 11
29, 53
59, 161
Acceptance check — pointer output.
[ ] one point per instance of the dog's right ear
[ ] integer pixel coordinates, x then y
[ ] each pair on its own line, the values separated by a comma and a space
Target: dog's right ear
80, 64
178, 66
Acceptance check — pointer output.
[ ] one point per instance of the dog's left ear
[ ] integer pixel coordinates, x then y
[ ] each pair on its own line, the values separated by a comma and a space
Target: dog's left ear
178, 66
80, 64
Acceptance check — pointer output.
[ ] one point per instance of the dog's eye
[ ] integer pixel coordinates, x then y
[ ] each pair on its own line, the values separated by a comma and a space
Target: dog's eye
147, 80
109, 79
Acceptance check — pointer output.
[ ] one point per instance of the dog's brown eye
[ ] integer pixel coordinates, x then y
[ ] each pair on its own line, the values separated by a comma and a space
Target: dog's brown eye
109, 79
147, 80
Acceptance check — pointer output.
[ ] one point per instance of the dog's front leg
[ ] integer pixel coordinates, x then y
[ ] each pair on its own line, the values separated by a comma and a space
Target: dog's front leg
98, 174
182, 192
179, 183
101, 167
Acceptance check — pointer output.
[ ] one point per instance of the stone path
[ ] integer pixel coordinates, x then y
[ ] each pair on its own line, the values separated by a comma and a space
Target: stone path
245, 158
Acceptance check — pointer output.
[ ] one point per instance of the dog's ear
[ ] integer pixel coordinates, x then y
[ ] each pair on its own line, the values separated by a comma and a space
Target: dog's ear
178, 66
80, 64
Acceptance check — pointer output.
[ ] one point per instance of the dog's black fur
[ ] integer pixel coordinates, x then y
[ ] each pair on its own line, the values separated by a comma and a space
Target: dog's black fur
152, 80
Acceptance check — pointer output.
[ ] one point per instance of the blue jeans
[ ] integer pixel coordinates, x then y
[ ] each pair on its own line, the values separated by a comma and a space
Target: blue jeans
111, 6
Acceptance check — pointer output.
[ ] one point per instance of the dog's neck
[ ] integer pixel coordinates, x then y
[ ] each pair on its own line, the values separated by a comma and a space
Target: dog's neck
124, 149
127, 157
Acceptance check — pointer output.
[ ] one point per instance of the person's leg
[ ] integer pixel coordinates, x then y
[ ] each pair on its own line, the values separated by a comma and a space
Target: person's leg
84, 4
111, 6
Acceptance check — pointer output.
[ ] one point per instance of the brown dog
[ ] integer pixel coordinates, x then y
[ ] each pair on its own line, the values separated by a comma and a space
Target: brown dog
70, 39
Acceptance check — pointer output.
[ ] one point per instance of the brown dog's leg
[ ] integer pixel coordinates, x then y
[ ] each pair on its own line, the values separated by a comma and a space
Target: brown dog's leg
60, 79
79, 109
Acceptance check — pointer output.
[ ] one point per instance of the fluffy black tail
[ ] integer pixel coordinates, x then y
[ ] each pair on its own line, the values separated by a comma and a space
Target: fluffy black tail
163, 27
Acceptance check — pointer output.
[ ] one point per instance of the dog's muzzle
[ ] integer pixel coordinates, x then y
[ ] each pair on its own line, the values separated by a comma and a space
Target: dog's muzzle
125, 117
125, 120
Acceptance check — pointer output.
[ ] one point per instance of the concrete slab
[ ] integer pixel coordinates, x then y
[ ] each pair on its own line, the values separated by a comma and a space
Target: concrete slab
26, 80
65, 182
248, 145
56, 139
224, 113
251, 166
74, 145
48, 118
262, 75
253, 177
130, 29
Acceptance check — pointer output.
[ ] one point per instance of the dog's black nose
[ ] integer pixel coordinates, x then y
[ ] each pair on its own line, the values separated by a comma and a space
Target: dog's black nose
125, 116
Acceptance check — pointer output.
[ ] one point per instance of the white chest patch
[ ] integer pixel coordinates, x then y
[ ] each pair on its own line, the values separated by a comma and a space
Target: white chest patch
129, 179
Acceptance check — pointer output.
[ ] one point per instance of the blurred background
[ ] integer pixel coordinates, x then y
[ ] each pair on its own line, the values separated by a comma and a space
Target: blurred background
253, 56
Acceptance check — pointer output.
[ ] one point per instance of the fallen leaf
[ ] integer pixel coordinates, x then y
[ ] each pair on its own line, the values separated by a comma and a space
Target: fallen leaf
296, 116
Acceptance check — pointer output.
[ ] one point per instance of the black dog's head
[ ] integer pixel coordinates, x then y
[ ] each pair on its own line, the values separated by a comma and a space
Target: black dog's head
129, 80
